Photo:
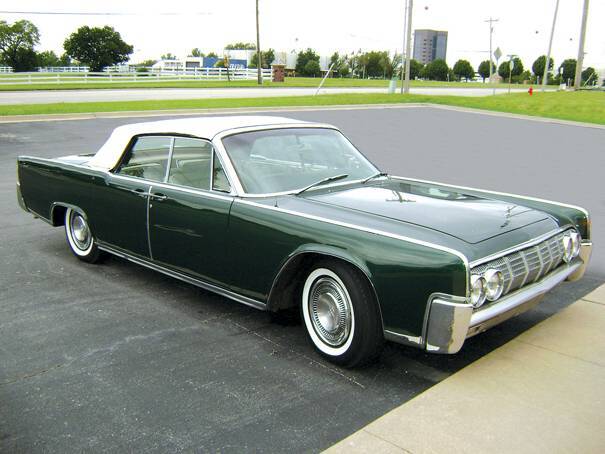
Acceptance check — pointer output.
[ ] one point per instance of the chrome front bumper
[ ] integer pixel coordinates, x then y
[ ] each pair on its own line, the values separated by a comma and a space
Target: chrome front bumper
450, 323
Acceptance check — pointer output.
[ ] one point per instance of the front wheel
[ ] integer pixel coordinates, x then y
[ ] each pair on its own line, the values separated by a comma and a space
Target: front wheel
80, 238
341, 314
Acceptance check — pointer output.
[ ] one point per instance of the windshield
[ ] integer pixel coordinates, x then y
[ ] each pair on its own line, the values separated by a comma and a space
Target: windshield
281, 160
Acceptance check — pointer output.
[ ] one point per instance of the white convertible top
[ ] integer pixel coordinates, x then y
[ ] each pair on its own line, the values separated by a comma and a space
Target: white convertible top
205, 127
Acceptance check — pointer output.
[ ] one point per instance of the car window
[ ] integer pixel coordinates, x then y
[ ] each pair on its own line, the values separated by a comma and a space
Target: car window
148, 158
190, 163
219, 178
281, 160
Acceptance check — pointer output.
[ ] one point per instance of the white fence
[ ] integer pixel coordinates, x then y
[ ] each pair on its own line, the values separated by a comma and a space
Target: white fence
64, 69
147, 75
6, 69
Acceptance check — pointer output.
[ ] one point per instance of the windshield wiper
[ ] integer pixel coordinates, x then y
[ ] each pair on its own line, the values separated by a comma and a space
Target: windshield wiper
325, 180
376, 175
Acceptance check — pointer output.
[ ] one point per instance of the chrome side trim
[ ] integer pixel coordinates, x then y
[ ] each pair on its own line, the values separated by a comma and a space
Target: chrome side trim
395, 236
534, 199
148, 206
202, 192
183, 277
38, 215
527, 293
519, 247
404, 339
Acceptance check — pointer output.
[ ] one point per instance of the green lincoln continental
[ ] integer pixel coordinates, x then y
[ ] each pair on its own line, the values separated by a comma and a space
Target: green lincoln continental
283, 214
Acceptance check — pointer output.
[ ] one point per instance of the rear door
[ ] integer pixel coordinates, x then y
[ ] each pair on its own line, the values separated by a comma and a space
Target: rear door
121, 198
189, 214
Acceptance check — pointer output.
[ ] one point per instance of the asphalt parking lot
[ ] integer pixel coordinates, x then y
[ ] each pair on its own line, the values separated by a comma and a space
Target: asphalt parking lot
116, 357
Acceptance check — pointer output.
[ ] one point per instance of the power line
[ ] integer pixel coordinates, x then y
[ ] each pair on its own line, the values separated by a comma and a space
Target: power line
66, 13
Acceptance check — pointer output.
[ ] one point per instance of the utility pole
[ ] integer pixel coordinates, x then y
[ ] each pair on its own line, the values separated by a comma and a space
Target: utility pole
491, 64
405, 30
578, 79
408, 51
258, 52
552, 34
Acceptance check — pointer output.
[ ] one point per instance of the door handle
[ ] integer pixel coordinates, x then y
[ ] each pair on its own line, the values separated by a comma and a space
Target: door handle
159, 197
139, 192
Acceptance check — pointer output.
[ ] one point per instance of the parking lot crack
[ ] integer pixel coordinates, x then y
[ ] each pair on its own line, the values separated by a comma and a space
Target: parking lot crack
32, 374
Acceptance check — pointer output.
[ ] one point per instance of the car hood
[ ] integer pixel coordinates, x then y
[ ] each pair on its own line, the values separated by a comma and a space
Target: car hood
466, 217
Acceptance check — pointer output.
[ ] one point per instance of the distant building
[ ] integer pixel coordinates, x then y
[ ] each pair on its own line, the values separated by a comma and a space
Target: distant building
429, 45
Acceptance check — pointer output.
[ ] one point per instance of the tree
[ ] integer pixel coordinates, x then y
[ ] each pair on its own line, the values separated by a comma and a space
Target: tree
268, 56
538, 66
567, 69
196, 53
25, 60
48, 58
517, 69
483, 69
147, 63
168, 56
212, 55
415, 69
17, 43
305, 57
65, 60
240, 45
312, 68
463, 69
97, 47
437, 70
503, 69
589, 75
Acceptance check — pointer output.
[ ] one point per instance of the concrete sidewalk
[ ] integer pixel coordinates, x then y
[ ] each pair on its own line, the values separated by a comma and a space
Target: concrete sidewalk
542, 392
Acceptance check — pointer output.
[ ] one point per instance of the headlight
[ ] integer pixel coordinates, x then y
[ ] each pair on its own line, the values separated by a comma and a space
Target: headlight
494, 284
576, 241
567, 248
478, 289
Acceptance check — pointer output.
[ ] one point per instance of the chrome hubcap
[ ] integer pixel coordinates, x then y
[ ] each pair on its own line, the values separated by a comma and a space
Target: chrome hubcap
330, 311
80, 232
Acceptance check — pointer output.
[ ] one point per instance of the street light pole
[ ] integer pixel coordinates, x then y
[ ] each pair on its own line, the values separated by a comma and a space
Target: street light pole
552, 34
578, 78
491, 69
259, 61
405, 30
408, 48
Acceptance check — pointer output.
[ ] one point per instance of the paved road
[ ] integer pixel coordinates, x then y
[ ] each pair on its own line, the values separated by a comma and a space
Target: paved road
117, 357
141, 94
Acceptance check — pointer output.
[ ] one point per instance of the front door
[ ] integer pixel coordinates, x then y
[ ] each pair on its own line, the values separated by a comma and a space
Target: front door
189, 214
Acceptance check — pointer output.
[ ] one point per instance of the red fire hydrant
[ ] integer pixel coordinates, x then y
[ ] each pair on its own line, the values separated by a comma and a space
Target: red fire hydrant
531, 91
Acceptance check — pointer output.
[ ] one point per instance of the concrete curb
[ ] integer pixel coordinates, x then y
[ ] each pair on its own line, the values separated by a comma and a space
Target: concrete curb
240, 110
541, 392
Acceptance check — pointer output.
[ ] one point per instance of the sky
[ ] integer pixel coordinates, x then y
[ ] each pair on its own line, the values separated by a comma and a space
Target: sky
326, 25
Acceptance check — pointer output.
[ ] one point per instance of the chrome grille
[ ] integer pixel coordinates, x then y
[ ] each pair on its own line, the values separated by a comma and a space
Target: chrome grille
527, 265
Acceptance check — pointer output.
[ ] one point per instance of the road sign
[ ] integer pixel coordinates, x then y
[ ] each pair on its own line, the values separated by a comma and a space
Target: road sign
497, 53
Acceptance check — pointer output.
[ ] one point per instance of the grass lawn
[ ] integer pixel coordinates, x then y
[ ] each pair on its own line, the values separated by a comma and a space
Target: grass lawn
290, 82
576, 106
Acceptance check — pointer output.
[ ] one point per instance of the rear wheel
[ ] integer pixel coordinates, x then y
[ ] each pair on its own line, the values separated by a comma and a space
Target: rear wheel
341, 315
80, 238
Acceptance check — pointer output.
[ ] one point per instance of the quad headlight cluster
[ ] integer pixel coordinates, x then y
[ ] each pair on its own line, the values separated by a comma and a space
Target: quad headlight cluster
571, 245
489, 285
